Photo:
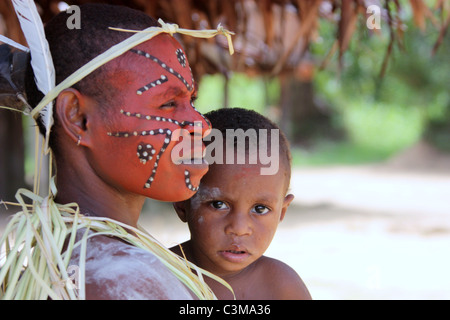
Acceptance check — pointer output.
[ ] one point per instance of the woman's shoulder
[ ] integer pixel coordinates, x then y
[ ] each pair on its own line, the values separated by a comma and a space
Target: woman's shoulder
116, 270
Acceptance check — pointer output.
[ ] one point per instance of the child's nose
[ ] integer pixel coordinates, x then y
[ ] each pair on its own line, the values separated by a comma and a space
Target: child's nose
238, 224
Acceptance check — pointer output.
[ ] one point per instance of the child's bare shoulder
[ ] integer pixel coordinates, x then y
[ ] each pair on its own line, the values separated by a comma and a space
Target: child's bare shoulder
283, 280
116, 271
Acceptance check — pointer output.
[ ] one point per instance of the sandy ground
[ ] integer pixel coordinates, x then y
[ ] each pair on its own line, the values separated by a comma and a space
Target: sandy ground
364, 232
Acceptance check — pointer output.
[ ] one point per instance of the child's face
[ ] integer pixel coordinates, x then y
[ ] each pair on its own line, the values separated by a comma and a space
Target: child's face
234, 216
135, 140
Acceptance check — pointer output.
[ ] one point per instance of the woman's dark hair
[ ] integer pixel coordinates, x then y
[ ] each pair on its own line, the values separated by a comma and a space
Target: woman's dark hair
73, 48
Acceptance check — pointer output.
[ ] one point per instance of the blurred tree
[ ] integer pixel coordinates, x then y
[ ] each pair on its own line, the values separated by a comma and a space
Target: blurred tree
11, 134
416, 78
11, 155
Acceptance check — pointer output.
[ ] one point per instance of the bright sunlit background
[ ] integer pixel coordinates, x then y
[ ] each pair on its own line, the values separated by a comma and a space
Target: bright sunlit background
371, 219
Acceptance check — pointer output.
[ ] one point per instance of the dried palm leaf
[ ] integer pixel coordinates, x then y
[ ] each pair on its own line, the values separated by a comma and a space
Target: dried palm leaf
38, 242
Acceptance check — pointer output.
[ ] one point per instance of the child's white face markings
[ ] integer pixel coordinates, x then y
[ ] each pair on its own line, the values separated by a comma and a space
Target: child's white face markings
234, 216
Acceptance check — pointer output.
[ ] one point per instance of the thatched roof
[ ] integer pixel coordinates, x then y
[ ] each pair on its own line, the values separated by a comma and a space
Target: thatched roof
272, 36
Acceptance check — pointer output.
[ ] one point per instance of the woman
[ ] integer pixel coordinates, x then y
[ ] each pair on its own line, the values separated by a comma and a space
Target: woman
112, 139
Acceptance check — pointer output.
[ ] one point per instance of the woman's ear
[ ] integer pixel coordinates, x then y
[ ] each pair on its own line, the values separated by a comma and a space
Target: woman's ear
286, 202
70, 109
181, 209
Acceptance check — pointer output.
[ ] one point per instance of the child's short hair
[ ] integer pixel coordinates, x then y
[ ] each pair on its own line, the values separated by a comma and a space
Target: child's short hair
245, 119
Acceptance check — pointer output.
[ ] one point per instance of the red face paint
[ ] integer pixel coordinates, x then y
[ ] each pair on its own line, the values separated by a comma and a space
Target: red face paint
134, 144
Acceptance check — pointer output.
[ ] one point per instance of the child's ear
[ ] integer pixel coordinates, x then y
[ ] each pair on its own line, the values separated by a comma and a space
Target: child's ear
286, 202
181, 209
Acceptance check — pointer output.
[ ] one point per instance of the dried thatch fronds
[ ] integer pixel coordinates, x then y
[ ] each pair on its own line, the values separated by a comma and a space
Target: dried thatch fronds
269, 37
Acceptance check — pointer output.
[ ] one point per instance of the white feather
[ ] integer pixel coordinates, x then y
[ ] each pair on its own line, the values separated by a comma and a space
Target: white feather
41, 59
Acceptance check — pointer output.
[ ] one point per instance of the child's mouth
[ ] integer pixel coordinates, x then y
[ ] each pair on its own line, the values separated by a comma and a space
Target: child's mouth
234, 255
235, 252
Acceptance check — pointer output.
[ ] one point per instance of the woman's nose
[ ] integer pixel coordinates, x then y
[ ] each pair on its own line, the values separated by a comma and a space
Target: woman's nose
199, 126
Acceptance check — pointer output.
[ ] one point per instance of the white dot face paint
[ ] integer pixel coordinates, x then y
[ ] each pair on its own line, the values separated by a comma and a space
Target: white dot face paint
149, 118
181, 57
163, 78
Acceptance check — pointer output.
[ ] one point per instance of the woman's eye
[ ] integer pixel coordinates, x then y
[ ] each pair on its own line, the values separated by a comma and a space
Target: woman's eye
219, 205
260, 209
170, 104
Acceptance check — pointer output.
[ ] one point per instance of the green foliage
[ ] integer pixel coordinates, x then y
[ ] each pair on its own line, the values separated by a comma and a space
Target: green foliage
380, 116
244, 92
383, 127
387, 114
210, 93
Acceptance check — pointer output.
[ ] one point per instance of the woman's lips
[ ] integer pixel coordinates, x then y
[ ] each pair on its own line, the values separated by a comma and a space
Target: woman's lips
196, 156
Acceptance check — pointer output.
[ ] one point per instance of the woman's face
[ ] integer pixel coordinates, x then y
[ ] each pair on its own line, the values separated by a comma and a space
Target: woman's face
133, 143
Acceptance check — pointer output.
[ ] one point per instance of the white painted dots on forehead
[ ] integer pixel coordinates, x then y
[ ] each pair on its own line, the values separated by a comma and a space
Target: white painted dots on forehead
152, 84
181, 57
166, 67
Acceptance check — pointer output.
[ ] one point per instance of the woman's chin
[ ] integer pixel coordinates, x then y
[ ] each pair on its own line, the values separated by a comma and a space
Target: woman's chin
174, 195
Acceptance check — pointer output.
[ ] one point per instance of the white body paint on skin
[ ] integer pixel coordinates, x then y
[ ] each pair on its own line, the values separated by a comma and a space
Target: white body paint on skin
204, 194
120, 271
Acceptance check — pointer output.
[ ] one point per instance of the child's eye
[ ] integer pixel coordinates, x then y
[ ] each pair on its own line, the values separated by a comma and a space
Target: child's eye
219, 205
260, 209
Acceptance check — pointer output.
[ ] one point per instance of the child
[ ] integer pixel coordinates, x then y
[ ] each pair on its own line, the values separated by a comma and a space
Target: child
234, 215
